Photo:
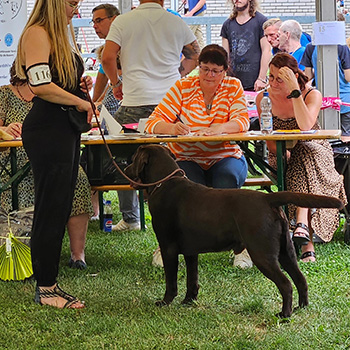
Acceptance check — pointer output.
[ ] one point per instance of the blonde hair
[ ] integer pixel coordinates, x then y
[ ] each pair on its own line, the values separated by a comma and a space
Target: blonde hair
51, 15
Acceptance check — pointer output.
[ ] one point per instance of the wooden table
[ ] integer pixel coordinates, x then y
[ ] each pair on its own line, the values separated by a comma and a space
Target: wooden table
283, 141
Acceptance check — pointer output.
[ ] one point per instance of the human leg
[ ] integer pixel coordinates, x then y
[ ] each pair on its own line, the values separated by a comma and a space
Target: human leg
193, 171
77, 227
128, 200
302, 235
228, 173
54, 160
129, 207
78, 220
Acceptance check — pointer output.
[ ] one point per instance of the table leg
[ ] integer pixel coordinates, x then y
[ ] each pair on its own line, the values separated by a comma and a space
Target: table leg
14, 186
142, 210
281, 164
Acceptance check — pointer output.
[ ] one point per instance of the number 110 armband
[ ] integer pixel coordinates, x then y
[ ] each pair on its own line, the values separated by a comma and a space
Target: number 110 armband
39, 74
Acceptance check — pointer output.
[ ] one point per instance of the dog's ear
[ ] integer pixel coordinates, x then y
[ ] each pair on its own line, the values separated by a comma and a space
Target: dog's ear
140, 159
170, 153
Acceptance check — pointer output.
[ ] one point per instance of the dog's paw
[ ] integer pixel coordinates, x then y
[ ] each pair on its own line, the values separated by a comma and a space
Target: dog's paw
283, 316
189, 301
161, 303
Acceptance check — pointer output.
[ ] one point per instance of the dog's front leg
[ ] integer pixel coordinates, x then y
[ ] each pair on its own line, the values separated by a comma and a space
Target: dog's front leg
192, 279
170, 262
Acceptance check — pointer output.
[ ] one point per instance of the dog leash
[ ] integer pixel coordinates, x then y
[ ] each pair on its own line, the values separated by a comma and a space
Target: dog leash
134, 183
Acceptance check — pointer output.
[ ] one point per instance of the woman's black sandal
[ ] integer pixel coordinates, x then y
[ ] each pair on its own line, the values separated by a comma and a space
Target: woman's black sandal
307, 255
54, 293
301, 238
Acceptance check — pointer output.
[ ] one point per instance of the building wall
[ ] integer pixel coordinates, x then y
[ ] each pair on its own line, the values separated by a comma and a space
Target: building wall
271, 8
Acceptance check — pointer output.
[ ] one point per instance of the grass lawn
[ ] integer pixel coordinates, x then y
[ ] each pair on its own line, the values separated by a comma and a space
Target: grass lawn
235, 308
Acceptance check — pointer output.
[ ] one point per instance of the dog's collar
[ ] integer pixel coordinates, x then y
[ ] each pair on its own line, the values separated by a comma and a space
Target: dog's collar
169, 178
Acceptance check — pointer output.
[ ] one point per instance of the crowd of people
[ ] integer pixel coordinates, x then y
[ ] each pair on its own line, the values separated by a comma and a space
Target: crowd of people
144, 73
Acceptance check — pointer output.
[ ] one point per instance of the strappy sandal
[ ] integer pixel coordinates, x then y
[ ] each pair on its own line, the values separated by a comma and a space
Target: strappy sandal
301, 238
307, 255
55, 293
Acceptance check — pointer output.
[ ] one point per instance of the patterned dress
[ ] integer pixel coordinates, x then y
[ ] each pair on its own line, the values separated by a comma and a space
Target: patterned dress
14, 110
311, 169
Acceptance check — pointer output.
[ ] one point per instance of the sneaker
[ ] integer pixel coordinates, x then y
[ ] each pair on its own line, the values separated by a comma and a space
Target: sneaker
243, 260
125, 226
94, 218
157, 260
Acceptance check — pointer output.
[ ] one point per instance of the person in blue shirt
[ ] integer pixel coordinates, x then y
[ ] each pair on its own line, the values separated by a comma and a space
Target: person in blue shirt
195, 8
309, 60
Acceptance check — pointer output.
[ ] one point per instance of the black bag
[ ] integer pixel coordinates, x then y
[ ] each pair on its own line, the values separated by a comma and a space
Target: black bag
78, 119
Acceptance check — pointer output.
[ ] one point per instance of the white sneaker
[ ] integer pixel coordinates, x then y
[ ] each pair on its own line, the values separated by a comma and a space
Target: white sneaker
124, 226
243, 260
94, 218
157, 260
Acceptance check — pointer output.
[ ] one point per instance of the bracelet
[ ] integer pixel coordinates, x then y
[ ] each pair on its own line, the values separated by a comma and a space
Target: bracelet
119, 82
262, 80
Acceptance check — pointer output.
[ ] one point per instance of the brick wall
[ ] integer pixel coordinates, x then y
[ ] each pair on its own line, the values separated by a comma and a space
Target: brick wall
271, 8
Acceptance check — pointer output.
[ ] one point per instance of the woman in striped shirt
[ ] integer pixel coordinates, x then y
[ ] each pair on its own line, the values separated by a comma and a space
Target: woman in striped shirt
208, 104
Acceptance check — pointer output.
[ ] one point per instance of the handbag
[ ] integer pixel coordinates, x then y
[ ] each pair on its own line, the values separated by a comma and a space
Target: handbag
78, 119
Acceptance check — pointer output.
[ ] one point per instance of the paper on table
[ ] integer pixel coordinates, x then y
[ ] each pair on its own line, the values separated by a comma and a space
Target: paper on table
114, 128
296, 131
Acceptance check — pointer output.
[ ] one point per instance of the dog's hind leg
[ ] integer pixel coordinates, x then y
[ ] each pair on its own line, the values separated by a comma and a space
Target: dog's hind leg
271, 270
192, 278
171, 262
288, 261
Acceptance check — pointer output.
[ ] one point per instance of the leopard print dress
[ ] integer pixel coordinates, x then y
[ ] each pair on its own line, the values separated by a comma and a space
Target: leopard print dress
14, 110
311, 169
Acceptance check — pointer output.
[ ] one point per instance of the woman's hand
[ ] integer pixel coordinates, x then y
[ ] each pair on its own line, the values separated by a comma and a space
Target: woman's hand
89, 84
180, 129
216, 129
290, 79
14, 129
85, 106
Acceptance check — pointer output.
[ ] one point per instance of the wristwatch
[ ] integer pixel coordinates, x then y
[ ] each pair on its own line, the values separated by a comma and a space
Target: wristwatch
294, 94
117, 84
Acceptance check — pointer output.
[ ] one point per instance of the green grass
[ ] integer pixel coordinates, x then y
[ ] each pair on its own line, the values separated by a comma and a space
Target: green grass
235, 308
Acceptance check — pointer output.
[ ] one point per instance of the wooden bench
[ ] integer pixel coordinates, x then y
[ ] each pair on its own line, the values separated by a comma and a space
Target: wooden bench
264, 182
105, 188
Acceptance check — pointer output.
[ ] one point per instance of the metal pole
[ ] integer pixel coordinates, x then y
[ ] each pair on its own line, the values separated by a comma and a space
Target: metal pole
327, 66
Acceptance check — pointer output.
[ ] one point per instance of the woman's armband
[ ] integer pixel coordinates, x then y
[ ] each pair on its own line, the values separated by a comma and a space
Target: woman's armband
39, 74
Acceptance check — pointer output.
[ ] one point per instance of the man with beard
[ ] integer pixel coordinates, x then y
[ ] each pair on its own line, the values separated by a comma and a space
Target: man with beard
244, 40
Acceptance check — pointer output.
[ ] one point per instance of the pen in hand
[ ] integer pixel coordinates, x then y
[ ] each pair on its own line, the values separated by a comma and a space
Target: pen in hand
179, 119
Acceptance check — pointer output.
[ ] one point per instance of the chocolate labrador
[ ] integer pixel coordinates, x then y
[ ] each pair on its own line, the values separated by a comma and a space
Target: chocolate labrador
190, 219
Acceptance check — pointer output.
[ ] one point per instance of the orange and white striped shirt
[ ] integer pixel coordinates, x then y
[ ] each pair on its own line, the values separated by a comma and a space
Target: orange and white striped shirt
185, 99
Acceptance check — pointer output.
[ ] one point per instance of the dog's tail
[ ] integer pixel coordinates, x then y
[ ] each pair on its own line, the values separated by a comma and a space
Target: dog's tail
304, 200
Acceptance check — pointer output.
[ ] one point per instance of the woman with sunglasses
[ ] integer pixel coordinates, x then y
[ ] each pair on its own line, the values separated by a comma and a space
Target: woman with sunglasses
296, 105
208, 104
53, 69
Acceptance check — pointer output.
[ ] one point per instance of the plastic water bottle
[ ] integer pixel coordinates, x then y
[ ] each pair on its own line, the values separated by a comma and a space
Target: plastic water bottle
107, 217
266, 123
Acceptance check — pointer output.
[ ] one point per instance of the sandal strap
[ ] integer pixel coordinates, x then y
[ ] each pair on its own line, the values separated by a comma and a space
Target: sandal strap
57, 292
308, 254
302, 225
